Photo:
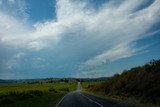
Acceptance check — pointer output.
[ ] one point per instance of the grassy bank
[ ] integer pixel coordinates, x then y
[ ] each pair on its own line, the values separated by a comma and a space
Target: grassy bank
139, 85
34, 95
46, 100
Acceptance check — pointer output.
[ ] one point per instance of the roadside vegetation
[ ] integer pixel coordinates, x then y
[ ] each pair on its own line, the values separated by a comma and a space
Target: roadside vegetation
139, 85
34, 95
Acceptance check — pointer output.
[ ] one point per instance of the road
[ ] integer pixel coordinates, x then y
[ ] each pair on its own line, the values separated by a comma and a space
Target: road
80, 99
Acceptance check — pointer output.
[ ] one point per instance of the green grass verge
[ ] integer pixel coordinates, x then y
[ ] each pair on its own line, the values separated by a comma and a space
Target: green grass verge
47, 100
34, 95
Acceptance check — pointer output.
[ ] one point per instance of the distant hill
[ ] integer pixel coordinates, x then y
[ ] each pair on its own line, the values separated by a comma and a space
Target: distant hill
142, 83
48, 80
6, 81
93, 79
34, 81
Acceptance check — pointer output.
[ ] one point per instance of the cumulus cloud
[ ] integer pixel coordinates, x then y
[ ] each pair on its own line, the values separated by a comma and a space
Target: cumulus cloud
81, 35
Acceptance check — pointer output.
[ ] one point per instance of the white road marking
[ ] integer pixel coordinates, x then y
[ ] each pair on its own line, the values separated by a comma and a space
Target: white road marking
78, 89
92, 100
60, 101
78, 86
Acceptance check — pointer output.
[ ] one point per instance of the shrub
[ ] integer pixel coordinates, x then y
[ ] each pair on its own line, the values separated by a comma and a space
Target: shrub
141, 82
53, 90
36, 92
6, 101
64, 89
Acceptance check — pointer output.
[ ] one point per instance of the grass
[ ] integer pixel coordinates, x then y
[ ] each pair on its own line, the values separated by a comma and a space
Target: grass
34, 95
4, 89
130, 100
47, 100
86, 86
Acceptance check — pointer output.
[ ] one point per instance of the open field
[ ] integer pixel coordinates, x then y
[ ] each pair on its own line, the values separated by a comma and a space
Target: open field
34, 95
4, 89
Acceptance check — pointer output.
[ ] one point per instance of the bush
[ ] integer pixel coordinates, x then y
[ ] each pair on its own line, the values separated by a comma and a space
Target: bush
6, 101
141, 82
13, 96
64, 89
36, 92
20, 95
25, 95
53, 90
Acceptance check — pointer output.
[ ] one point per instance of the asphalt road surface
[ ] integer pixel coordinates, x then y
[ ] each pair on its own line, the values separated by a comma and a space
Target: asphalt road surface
79, 99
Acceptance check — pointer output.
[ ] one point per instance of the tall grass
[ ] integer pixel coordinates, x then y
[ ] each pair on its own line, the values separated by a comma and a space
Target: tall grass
10, 94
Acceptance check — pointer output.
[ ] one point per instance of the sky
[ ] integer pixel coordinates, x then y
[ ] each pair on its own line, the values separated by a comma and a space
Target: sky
76, 38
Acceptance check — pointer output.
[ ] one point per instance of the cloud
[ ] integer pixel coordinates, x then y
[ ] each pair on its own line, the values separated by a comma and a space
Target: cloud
16, 8
91, 74
1, 2
80, 35
11, 0
120, 51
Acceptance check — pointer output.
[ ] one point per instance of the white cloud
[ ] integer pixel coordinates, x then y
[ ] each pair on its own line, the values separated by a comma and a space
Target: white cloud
14, 61
107, 33
36, 45
19, 55
1, 2
121, 28
120, 51
92, 74
11, 0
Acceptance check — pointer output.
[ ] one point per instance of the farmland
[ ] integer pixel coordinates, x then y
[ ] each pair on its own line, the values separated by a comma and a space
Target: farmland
40, 95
